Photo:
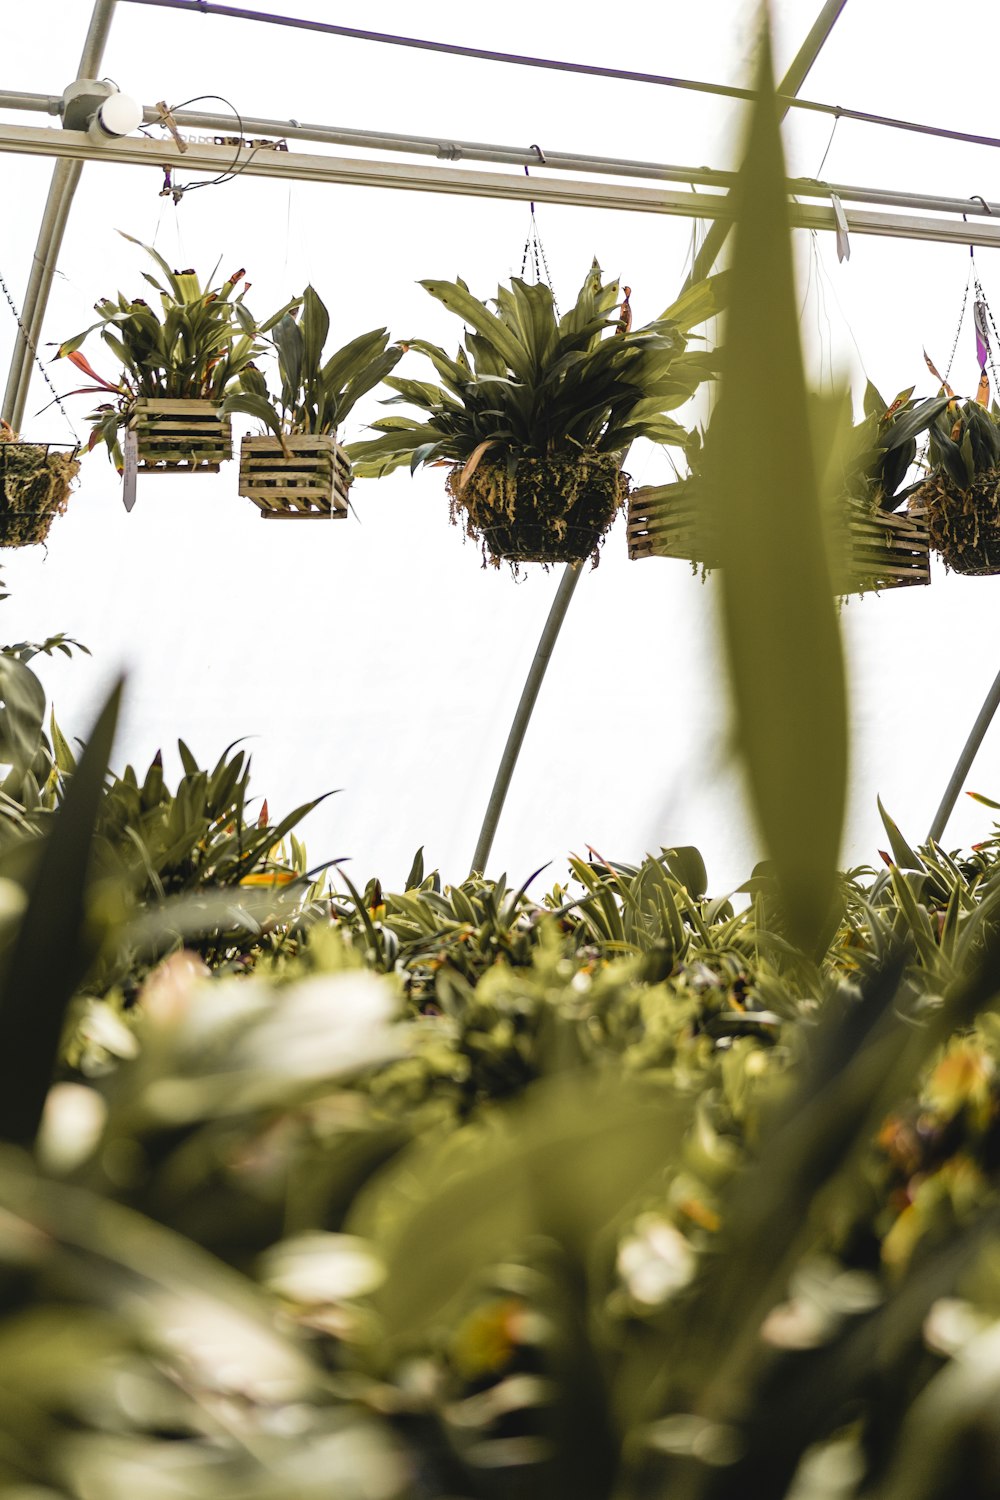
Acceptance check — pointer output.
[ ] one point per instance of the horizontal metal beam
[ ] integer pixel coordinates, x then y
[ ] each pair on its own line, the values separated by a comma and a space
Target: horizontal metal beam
425, 177
447, 148
46, 104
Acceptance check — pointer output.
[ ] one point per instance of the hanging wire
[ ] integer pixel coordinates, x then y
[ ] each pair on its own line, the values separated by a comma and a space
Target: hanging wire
34, 352
824, 329
982, 307
534, 250
170, 189
972, 280
832, 290
961, 321
826, 153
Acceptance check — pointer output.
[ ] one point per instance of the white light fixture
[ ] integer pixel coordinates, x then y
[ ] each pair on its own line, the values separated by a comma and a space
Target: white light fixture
117, 116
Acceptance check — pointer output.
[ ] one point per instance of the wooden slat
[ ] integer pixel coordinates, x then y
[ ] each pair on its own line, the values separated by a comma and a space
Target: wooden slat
310, 485
887, 551
181, 436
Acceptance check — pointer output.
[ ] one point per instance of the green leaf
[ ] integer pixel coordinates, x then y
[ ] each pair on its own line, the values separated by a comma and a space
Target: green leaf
459, 301
416, 874
901, 851
53, 947
566, 1161
315, 327
704, 300
64, 757
779, 620
254, 406
22, 712
686, 864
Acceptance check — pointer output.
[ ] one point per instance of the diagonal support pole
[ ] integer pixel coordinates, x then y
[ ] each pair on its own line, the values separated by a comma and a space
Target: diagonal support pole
713, 243
65, 176
964, 764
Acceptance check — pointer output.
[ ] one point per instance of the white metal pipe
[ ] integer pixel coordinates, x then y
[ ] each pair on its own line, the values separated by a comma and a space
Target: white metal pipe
450, 149
425, 177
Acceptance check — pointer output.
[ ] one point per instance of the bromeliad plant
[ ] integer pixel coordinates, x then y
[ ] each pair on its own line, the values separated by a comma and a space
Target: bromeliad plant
881, 449
534, 415
961, 495
317, 394
865, 472
195, 350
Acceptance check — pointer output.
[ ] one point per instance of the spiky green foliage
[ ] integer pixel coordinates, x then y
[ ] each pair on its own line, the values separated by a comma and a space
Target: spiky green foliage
882, 448
196, 349
529, 387
318, 391
961, 495
527, 383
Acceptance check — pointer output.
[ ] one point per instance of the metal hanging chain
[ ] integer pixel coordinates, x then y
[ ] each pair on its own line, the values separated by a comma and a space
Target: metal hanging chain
980, 297
961, 321
34, 352
533, 246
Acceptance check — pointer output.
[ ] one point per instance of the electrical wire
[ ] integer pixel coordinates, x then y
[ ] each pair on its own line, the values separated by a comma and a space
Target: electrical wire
590, 70
231, 172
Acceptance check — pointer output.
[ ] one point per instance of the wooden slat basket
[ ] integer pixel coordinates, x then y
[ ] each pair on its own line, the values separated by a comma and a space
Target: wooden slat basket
883, 551
181, 436
310, 485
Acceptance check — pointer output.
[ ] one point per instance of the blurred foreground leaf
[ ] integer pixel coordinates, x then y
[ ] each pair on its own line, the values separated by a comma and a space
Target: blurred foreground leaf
779, 618
565, 1163
53, 948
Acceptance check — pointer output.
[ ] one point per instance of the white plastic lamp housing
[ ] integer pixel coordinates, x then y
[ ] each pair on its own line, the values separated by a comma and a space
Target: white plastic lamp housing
117, 116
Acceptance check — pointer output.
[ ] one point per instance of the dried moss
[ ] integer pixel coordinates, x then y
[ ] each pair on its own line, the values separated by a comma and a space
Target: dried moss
34, 489
546, 510
964, 524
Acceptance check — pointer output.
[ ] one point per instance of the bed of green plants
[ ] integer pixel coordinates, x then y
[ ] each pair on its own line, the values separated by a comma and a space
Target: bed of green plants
605, 1186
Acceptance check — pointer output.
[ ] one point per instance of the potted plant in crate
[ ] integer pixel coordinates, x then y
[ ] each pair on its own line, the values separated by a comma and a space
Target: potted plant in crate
301, 472
535, 413
176, 369
35, 480
960, 497
873, 548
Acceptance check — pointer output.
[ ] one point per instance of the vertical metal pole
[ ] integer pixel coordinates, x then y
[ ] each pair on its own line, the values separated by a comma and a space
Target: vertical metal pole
65, 176
704, 260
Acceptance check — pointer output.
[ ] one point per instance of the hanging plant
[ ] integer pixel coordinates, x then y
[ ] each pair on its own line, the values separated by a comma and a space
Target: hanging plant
960, 497
301, 471
534, 415
35, 481
873, 549
177, 367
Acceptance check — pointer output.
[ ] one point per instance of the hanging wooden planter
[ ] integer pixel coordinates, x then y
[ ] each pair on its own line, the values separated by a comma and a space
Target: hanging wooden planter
667, 520
35, 481
964, 524
549, 510
181, 436
308, 484
878, 550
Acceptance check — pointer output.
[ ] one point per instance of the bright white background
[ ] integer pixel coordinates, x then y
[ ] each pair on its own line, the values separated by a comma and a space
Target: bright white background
375, 655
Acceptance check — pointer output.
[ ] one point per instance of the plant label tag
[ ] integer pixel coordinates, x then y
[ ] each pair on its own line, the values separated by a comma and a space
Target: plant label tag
840, 219
131, 452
